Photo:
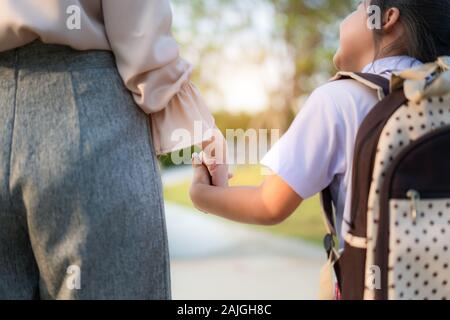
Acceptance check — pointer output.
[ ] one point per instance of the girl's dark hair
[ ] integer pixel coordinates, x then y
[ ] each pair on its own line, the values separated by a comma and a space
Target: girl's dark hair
427, 27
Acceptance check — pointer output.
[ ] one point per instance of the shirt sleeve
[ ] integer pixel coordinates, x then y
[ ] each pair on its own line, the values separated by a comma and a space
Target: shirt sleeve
148, 60
311, 153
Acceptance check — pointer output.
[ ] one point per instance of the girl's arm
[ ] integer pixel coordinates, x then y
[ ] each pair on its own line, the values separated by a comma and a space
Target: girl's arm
269, 204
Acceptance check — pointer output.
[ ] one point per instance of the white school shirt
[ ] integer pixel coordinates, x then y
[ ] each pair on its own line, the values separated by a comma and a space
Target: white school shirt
317, 151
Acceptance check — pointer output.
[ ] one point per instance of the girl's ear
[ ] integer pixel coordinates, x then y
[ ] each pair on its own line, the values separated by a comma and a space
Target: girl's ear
391, 18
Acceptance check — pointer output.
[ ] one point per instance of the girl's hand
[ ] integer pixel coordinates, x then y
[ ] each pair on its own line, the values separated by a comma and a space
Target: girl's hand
201, 179
269, 204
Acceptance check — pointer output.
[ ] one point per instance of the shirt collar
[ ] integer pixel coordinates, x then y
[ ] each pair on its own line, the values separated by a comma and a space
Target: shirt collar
387, 66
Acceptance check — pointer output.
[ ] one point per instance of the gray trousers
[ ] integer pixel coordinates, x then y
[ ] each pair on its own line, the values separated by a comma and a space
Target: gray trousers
81, 207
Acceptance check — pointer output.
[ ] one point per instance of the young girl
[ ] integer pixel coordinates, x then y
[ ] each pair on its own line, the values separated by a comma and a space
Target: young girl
317, 151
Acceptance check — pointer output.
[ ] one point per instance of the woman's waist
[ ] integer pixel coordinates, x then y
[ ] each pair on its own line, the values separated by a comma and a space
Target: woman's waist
39, 56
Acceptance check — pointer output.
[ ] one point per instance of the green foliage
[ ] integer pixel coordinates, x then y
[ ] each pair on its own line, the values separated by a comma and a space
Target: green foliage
310, 27
166, 160
226, 120
307, 28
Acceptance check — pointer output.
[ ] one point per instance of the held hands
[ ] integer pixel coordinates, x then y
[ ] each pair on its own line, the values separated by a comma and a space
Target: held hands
214, 159
268, 204
204, 175
208, 172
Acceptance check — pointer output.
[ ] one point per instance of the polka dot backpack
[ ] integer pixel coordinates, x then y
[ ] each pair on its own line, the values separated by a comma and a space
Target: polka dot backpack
398, 246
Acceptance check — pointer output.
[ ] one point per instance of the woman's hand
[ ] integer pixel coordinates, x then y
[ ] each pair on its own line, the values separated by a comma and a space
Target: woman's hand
214, 157
201, 172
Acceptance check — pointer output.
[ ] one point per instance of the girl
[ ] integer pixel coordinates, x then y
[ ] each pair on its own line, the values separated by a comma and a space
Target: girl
317, 151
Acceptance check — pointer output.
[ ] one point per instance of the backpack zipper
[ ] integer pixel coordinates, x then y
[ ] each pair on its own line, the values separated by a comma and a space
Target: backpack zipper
414, 197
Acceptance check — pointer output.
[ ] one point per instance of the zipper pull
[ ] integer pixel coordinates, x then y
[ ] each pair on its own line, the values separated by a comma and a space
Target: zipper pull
414, 197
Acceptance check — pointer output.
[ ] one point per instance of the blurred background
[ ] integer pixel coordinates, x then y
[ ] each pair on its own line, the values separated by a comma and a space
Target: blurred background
255, 62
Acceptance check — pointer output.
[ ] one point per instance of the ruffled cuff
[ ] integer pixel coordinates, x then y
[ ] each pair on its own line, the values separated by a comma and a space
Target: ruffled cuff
186, 121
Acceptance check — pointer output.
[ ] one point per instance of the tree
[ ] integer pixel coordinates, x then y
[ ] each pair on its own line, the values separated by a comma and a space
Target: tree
306, 29
309, 30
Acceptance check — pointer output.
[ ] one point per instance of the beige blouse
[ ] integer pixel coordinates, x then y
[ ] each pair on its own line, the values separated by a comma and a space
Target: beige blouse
139, 34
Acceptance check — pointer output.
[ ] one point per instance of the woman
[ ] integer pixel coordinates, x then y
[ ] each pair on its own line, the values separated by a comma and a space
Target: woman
81, 209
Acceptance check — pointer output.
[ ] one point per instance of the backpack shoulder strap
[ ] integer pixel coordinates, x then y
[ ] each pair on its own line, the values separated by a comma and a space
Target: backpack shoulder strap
373, 81
327, 207
382, 86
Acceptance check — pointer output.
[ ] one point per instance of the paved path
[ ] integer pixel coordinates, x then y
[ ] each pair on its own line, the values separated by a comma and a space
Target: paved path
214, 259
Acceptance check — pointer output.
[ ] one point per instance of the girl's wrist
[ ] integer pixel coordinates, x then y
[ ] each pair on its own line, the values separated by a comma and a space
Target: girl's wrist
198, 194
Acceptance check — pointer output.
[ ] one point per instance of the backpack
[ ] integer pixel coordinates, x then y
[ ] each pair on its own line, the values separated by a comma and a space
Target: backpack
398, 246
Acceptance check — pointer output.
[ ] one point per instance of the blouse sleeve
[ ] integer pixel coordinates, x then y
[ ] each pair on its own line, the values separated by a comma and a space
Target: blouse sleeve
148, 60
